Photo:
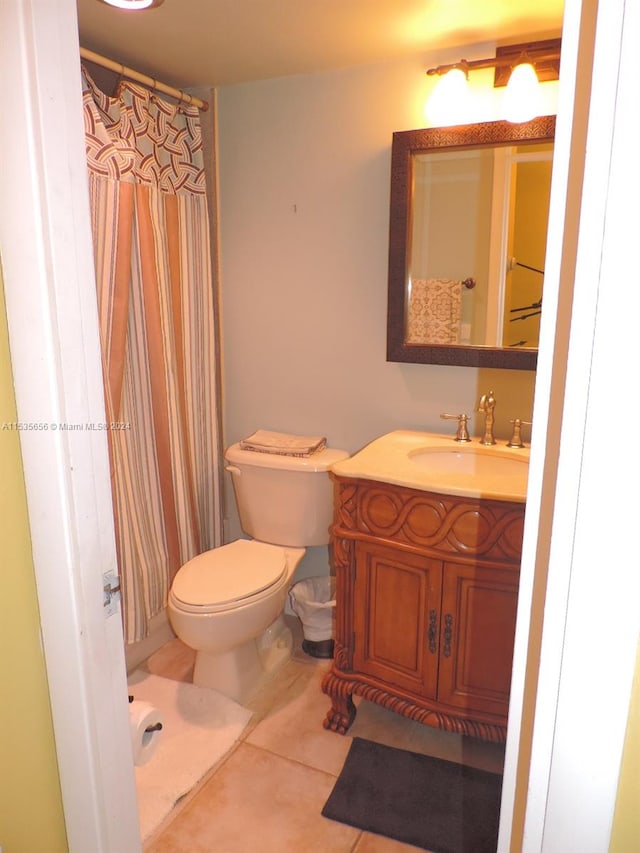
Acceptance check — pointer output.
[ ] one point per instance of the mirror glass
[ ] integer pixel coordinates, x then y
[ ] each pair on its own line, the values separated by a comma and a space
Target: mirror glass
468, 224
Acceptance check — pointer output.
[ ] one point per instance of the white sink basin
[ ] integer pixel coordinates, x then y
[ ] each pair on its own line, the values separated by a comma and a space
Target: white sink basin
436, 463
470, 461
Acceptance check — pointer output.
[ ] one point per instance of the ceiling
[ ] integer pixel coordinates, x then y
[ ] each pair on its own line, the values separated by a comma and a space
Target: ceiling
221, 42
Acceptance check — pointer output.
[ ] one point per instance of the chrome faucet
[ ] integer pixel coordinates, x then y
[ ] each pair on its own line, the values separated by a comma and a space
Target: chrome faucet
487, 405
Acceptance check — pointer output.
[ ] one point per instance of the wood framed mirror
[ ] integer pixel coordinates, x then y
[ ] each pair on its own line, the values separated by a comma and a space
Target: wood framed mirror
467, 238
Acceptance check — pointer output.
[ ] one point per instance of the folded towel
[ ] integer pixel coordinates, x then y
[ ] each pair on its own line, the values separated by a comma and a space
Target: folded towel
264, 441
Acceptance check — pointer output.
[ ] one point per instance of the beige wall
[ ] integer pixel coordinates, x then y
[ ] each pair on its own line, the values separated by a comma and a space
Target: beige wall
304, 195
31, 817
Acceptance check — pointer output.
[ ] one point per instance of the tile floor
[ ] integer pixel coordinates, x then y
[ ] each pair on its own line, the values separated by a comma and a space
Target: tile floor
267, 794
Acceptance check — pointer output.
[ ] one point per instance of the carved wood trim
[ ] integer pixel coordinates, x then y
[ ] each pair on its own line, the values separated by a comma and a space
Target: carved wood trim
442, 524
339, 717
345, 506
342, 712
343, 556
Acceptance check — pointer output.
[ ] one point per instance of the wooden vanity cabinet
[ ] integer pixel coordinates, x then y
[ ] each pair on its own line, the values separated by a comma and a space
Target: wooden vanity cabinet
426, 596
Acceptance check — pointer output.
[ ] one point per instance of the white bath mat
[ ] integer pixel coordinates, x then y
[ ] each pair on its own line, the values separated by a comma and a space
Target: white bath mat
200, 727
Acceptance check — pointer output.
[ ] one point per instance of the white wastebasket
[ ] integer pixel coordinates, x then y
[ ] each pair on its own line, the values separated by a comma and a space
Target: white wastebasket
313, 602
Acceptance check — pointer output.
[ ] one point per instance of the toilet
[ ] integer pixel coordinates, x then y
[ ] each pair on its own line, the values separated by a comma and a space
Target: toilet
228, 603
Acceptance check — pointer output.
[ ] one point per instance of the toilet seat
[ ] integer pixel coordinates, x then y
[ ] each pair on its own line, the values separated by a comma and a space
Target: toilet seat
228, 576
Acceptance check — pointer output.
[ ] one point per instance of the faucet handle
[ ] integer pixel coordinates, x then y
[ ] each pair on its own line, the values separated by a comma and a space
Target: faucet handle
462, 433
516, 438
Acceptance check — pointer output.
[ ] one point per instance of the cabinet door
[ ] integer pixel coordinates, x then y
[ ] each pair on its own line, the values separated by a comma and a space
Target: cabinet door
476, 637
396, 616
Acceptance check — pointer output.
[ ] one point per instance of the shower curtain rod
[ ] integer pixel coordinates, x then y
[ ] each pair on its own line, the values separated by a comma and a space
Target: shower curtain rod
151, 82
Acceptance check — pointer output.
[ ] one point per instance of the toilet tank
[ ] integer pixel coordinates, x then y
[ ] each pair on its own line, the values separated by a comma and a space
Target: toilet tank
284, 500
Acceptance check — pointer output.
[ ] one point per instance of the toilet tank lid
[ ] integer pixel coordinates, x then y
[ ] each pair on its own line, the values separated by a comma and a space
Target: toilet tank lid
322, 460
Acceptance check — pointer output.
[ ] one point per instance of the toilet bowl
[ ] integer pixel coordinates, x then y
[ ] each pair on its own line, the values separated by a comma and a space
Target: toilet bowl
228, 603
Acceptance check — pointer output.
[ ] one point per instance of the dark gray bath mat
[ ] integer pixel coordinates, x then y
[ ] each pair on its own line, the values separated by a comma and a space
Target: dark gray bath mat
434, 804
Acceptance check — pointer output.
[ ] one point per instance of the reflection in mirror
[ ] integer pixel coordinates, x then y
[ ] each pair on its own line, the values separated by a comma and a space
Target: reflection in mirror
467, 204
469, 212
524, 246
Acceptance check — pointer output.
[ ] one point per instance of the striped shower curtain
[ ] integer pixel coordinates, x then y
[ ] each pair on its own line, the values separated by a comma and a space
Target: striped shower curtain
156, 315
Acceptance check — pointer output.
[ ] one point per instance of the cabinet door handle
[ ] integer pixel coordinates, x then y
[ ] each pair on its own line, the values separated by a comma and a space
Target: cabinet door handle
433, 630
448, 631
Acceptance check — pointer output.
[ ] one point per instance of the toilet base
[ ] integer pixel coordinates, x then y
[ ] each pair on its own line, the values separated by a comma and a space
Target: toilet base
240, 672
275, 646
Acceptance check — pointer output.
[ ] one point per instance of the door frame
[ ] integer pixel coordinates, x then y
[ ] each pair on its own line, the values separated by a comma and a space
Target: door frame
578, 614
54, 341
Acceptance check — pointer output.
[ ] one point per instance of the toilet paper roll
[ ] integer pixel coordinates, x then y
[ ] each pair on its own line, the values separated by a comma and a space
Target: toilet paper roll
145, 726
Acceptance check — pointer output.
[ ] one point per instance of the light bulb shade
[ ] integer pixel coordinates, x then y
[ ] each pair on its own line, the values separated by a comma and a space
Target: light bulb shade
522, 97
449, 101
133, 5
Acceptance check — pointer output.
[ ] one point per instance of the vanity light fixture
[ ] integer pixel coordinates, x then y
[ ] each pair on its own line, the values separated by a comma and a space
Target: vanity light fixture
522, 98
133, 5
449, 102
519, 67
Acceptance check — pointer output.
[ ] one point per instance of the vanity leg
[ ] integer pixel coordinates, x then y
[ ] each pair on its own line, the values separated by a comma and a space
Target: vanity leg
342, 712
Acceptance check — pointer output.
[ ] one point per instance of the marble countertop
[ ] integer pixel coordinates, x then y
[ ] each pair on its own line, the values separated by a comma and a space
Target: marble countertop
436, 463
